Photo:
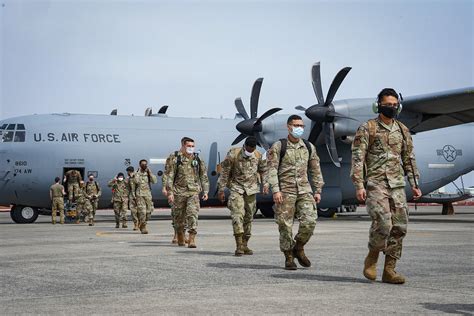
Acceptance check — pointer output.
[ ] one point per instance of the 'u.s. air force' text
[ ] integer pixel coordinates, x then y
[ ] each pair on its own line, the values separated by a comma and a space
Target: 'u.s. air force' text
75, 137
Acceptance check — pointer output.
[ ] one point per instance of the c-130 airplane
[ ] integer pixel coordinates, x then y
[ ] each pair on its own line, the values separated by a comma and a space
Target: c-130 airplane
36, 148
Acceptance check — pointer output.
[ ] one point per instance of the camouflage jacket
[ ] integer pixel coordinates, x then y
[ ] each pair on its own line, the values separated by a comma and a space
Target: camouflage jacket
119, 190
141, 182
290, 175
189, 176
73, 176
82, 195
241, 173
128, 181
388, 158
93, 190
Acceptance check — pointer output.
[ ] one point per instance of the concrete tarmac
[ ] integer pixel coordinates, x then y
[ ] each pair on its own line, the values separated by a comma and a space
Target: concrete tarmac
75, 269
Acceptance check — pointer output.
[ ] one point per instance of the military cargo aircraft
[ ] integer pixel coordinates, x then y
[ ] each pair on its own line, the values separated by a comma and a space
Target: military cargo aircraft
34, 149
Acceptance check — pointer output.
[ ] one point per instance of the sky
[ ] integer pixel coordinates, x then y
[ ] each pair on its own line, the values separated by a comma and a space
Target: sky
198, 56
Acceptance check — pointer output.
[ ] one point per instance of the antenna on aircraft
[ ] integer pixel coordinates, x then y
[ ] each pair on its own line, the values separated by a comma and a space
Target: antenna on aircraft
163, 109
148, 112
114, 112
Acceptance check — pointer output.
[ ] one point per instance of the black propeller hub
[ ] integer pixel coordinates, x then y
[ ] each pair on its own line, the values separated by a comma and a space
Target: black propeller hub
318, 113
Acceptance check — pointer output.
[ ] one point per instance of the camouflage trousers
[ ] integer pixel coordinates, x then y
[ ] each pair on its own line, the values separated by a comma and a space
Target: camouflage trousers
57, 205
94, 204
174, 215
302, 207
132, 205
242, 207
144, 208
72, 191
120, 210
187, 211
389, 212
84, 208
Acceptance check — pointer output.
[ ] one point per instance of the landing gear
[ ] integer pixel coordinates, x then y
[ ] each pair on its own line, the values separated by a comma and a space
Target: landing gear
327, 212
266, 209
24, 214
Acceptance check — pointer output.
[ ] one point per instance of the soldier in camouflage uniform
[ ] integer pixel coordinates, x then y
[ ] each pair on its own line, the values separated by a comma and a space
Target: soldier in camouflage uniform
84, 206
93, 192
382, 153
119, 199
132, 201
292, 192
240, 174
56, 194
72, 178
186, 179
141, 191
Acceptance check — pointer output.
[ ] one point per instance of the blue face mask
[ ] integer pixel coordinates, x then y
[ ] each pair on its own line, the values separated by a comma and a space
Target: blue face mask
297, 132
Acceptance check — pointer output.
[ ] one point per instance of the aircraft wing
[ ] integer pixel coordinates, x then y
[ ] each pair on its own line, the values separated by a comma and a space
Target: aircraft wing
437, 110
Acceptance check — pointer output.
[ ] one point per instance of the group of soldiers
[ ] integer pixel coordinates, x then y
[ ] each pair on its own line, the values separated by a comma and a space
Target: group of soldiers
382, 155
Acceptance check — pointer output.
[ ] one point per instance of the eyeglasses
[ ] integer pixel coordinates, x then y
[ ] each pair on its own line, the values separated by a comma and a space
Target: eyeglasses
392, 105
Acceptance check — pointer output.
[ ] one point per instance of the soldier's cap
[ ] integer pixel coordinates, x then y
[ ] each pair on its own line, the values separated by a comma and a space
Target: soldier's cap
120, 174
130, 169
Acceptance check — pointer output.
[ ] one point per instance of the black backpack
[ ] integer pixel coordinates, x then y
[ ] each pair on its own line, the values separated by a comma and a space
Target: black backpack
284, 144
179, 162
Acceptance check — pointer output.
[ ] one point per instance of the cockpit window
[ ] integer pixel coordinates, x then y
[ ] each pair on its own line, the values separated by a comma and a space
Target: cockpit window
8, 133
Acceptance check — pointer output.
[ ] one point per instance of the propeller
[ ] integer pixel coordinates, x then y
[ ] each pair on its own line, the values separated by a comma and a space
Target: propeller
323, 114
252, 125
163, 109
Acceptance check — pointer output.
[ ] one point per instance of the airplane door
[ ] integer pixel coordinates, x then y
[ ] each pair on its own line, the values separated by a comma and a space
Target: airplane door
6, 166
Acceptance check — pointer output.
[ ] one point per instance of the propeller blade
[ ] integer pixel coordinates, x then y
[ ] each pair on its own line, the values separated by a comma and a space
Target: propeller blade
315, 131
331, 143
163, 109
212, 165
240, 108
316, 81
267, 114
335, 114
336, 83
300, 108
254, 97
238, 139
261, 141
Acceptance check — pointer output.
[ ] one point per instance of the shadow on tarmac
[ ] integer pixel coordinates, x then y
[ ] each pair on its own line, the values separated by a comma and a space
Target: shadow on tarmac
459, 309
316, 277
225, 265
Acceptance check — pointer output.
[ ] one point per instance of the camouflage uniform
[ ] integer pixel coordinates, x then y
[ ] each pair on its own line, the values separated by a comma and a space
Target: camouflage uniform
240, 174
290, 177
93, 193
141, 191
132, 201
185, 180
84, 207
385, 163
120, 200
73, 177
57, 199
164, 184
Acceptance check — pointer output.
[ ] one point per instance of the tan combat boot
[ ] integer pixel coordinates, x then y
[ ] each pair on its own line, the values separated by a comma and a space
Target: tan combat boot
135, 226
91, 222
298, 252
180, 238
370, 265
245, 248
238, 246
175, 237
186, 239
389, 274
143, 229
192, 242
124, 224
289, 260
117, 225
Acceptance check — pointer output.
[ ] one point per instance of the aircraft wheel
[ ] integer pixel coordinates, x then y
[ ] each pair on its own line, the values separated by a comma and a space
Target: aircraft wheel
327, 212
24, 214
267, 210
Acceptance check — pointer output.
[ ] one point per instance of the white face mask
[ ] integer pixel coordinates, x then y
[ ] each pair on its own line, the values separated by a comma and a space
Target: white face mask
120, 179
248, 154
297, 132
190, 150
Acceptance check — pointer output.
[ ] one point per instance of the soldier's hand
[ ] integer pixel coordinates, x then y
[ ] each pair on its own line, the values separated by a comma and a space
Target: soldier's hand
317, 197
361, 195
416, 193
164, 191
170, 198
278, 198
205, 197
266, 190
221, 196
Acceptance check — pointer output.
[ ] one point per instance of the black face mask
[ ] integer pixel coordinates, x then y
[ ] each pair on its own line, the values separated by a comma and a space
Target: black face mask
388, 111
143, 167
